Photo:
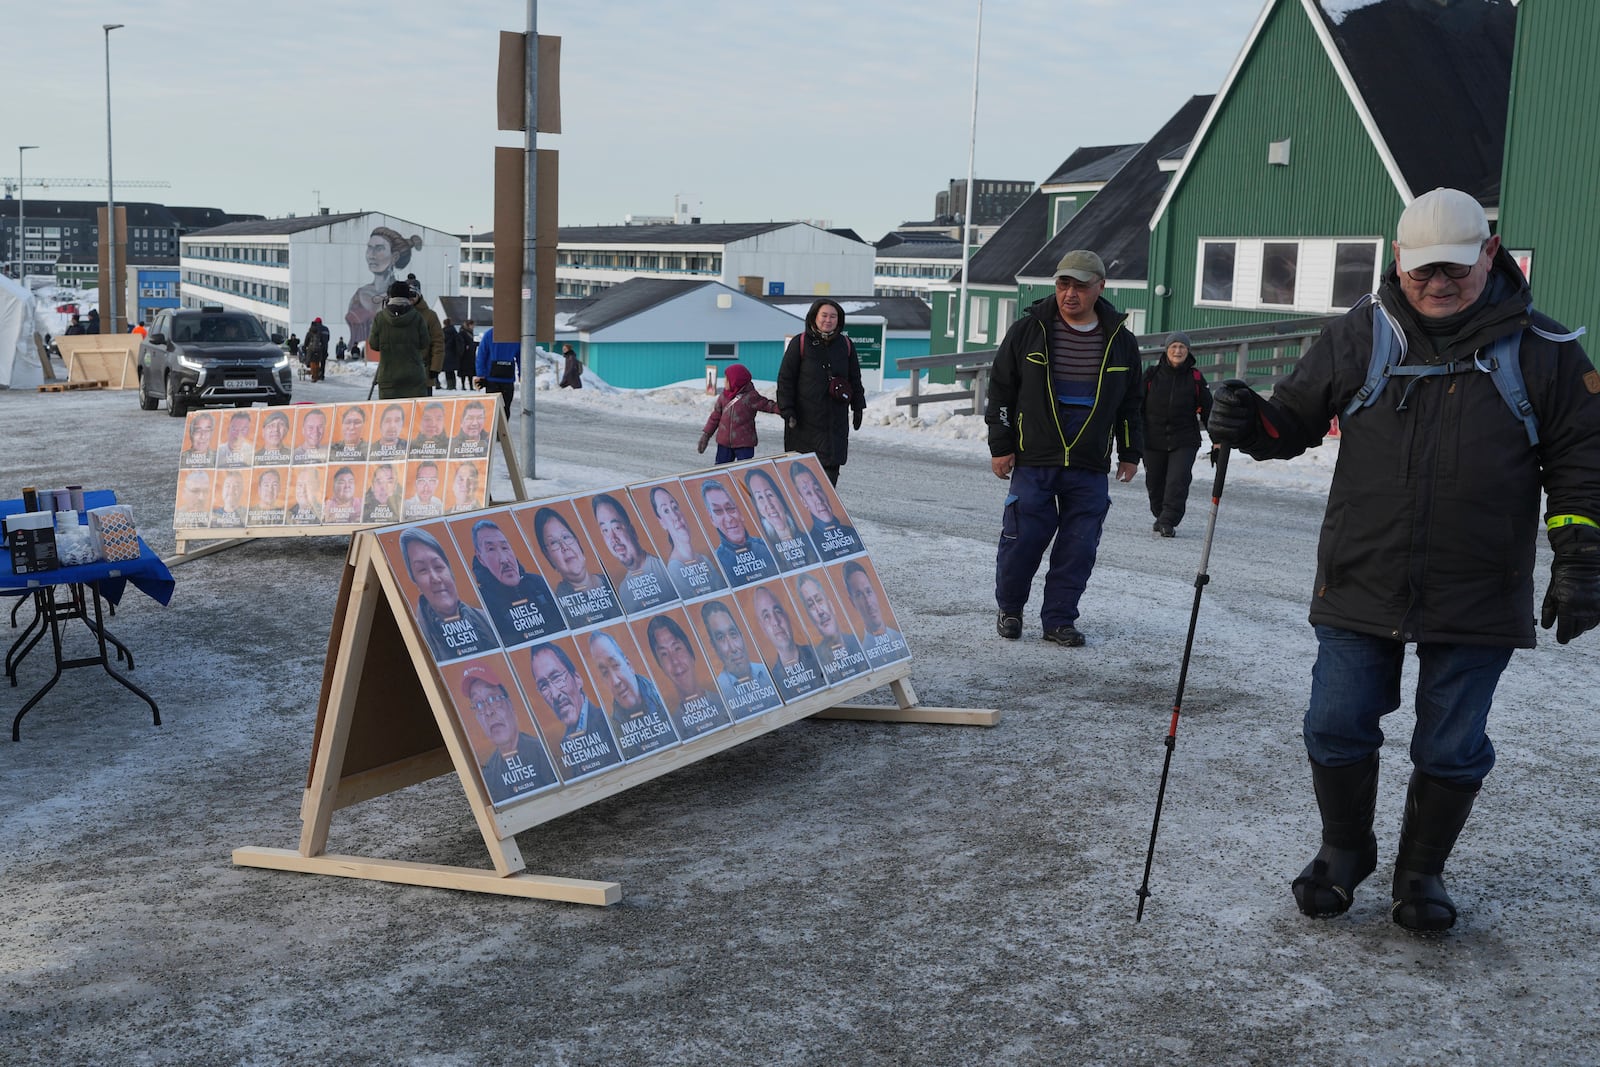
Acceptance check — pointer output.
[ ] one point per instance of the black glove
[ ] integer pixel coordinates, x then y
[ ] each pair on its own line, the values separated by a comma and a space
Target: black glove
855, 419
1235, 415
1572, 601
1211, 456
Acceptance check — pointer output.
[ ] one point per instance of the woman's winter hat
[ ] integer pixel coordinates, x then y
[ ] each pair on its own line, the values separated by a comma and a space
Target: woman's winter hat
1179, 338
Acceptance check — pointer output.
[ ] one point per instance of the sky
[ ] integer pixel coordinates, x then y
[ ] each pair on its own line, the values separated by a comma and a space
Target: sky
846, 114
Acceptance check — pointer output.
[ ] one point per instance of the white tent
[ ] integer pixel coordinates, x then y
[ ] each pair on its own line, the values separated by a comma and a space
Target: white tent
19, 358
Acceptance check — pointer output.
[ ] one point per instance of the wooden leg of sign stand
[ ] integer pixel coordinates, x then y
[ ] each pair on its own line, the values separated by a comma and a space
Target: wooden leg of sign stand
907, 709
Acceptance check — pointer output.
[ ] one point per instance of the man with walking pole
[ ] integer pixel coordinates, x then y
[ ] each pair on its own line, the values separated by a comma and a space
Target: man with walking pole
1457, 404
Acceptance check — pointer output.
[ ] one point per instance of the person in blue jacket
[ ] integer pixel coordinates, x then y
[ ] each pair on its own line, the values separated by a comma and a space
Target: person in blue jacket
499, 365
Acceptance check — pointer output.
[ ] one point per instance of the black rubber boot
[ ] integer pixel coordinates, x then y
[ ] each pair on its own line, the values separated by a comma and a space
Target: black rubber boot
1435, 813
1346, 797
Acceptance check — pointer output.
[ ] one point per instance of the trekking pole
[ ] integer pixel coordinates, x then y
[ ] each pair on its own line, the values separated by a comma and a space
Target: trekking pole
1200, 580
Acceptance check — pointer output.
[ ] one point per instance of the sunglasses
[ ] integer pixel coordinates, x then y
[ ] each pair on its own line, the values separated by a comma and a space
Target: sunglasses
1454, 271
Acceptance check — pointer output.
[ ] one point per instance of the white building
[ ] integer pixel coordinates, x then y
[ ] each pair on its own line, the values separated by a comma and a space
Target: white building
336, 267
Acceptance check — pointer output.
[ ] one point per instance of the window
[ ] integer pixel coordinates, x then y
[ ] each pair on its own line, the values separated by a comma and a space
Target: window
1279, 262
1065, 207
1216, 271
721, 350
1311, 275
950, 312
1006, 315
1355, 272
978, 319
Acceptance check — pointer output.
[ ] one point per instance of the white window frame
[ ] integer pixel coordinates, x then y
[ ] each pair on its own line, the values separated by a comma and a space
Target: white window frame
1314, 273
977, 317
952, 309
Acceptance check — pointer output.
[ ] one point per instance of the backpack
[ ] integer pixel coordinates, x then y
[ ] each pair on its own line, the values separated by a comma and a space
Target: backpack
1150, 381
1502, 362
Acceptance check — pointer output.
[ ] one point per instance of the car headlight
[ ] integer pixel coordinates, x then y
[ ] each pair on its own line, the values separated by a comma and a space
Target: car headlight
190, 364
282, 364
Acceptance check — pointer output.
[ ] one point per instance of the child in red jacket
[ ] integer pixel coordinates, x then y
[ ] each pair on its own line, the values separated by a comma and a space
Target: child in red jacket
734, 418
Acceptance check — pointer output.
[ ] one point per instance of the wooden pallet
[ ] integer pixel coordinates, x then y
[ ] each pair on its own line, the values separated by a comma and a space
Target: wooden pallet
65, 387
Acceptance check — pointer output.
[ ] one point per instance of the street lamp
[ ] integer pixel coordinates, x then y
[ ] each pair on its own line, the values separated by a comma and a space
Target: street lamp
22, 193
110, 287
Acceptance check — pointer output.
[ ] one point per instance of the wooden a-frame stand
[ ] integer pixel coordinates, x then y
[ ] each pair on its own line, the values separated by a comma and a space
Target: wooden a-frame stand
239, 536
384, 722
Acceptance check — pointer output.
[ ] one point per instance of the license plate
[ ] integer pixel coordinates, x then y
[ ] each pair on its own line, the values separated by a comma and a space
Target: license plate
239, 383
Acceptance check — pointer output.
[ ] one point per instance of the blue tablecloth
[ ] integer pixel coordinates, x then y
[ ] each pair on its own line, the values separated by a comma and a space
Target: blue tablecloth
147, 573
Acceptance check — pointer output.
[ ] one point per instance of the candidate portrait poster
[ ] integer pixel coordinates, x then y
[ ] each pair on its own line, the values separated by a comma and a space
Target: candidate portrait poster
472, 427
678, 539
199, 441
351, 433
682, 672
628, 690
623, 549
274, 445
383, 492
268, 501
777, 627
506, 744
513, 591
831, 635
192, 509
391, 431
558, 689
739, 548
818, 506
873, 619
238, 445
568, 561
424, 489
743, 678
345, 484
781, 526
305, 498
468, 482
430, 437
313, 424
438, 591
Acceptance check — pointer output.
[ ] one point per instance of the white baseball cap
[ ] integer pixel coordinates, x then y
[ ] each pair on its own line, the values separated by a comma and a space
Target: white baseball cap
1442, 226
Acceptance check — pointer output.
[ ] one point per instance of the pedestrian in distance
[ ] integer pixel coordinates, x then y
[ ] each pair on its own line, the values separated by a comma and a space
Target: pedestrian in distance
467, 359
571, 370
340, 349
819, 389
430, 319
1458, 404
733, 417
452, 353
316, 346
499, 365
1064, 388
401, 338
1177, 403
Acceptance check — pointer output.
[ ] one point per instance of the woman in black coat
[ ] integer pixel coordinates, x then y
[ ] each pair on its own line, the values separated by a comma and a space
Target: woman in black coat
816, 418
1177, 403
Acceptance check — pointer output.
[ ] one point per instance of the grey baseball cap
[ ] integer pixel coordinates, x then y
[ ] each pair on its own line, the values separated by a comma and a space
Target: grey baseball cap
1081, 264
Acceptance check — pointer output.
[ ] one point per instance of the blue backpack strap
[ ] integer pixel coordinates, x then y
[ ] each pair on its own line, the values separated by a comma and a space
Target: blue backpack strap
1388, 348
1504, 366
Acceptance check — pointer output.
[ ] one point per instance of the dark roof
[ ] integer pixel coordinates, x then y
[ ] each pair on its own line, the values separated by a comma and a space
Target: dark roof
715, 233
629, 298
922, 250
1461, 51
895, 238
997, 260
899, 312
1116, 223
847, 233
1096, 163
273, 227
139, 212
199, 218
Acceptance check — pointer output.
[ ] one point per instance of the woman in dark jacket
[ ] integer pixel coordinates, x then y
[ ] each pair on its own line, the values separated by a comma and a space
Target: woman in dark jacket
1177, 404
403, 344
816, 418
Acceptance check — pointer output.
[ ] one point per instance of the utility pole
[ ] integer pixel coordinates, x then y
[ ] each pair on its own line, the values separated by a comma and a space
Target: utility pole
966, 219
530, 227
21, 193
110, 287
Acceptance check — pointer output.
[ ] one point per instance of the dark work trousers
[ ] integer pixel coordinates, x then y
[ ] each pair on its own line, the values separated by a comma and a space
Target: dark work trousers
1167, 474
505, 389
1061, 504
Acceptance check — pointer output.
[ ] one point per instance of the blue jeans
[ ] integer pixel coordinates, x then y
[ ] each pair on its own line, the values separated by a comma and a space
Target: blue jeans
1356, 681
1045, 503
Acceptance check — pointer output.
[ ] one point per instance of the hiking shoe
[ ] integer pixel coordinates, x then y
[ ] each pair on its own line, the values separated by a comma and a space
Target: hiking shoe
1165, 529
1155, 527
1008, 625
1065, 635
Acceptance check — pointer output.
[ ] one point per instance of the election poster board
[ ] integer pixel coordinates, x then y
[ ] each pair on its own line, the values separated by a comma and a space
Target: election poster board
338, 467
553, 681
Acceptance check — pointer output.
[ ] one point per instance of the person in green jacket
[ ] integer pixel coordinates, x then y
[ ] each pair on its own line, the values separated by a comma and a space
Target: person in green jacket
401, 339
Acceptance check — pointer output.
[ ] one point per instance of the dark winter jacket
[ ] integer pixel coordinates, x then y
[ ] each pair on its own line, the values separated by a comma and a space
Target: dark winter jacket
814, 420
521, 612
1022, 407
430, 318
1177, 402
316, 342
467, 364
571, 371
1433, 511
491, 352
733, 419
402, 344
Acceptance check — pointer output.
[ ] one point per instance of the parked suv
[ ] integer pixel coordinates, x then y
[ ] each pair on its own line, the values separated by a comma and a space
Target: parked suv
204, 356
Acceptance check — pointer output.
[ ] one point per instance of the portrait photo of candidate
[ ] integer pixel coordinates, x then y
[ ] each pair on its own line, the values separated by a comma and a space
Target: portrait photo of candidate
745, 682
833, 537
679, 541
451, 624
515, 595
837, 647
774, 619
687, 686
472, 433
267, 500
193, 507
740, 550
426, 499
200, 441
311, 433
305, 504
582, 589
389, 438
350, 434
238, 447
561, 695
384, 491
432, 437
343, 504
272, 439
639, 716
875, 623
639, 577
784, 533
468, 481
228, 499
509, 750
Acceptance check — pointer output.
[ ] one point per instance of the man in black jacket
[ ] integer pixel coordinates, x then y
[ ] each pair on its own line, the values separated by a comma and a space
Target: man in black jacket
1064, 387
1429, 534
